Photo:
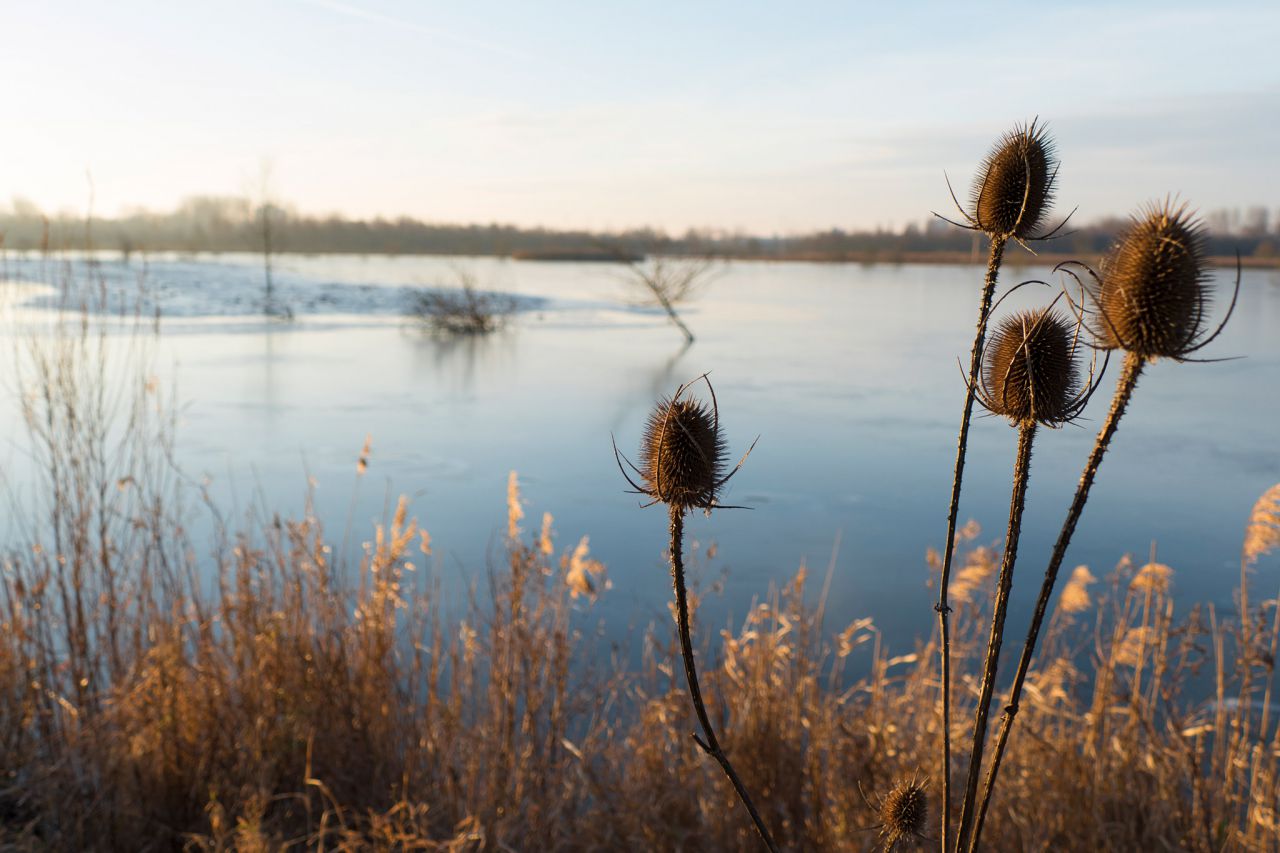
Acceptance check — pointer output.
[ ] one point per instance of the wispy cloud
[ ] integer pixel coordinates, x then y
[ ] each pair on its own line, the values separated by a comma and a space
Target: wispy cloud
432, 32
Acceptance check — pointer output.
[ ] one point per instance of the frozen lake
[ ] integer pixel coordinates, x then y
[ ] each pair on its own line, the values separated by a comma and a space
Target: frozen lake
846, 372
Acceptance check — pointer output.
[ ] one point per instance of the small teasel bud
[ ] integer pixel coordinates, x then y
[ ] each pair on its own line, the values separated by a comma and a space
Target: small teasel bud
682, 455
903, 813
1014, 189
1030, 372
1152, 294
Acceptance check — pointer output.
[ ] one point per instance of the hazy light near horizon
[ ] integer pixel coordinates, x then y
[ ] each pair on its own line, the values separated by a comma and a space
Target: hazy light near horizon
729, 115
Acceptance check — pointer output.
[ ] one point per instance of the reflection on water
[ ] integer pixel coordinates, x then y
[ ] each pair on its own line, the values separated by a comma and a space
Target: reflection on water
457, 359
846, 372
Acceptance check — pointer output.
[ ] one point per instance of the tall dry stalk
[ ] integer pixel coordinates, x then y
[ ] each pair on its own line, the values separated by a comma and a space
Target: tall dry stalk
1151, 297
682, 462
1009, 202
1017, 500
711, 745
1030, 376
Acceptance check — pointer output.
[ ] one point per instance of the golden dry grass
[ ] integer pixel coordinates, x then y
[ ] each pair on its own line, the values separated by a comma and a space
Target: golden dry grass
265, 697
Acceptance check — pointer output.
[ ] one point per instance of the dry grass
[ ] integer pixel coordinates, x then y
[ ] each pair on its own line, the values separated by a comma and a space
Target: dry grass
264, 697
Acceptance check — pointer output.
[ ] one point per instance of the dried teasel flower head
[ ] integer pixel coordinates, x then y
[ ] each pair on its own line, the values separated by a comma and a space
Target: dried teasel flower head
1031, 372
904, 812
1014, 189
682, 453
1153, 293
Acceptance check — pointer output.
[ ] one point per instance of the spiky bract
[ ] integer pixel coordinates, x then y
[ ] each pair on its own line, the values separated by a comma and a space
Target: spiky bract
1014, 189
1152, 295
682, 454
1030, 373
903, 813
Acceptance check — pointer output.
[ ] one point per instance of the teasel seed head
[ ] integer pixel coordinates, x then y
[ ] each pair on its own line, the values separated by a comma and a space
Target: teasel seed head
682, 453
1030, 372
1152, 292
904, 811
1014, 189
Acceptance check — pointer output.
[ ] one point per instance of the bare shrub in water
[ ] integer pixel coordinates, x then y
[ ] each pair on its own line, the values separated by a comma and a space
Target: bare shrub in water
465, 310
668, 281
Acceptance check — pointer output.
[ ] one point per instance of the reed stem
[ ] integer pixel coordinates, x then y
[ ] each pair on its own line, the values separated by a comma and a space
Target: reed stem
1129, 373
943, 608
1017, 501
711, 746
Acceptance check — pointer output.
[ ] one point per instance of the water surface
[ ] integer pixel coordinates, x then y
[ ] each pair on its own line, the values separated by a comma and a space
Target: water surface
847, 373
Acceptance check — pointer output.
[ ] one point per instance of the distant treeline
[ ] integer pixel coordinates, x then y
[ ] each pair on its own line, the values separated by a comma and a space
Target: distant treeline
223, 224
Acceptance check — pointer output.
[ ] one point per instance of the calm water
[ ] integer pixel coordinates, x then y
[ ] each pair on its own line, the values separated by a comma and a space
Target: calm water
847, 373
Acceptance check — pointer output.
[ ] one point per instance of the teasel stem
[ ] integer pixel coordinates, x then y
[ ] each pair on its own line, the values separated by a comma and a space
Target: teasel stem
1133, 364
943, 607
1017, 500
711, 746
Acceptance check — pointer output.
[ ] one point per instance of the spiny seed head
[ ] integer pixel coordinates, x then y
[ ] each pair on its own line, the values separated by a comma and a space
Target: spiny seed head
1014, 189
903, 813
682, 455
1030, 372
1153, 293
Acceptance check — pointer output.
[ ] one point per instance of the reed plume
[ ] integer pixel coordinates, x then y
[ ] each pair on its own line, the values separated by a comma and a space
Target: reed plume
1009, 200
682, 462
1150, 298
1030, 376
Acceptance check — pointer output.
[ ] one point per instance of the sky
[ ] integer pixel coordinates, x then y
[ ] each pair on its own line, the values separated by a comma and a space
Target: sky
764, 117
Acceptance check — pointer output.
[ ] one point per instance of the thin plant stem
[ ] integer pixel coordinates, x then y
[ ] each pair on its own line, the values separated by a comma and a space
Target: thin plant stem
1017, 501
711, 746
1124, 390
943, 607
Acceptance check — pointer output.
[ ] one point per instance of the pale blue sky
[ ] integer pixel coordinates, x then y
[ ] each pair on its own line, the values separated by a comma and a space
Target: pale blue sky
765, 116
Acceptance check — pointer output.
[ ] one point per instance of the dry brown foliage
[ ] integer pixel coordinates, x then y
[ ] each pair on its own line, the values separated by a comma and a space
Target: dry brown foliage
267, 697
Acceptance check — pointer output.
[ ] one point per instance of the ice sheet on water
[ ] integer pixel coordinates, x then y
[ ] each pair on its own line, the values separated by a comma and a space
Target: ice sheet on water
210, 289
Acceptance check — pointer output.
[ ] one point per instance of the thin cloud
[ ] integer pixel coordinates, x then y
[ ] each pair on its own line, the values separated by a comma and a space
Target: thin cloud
399, 23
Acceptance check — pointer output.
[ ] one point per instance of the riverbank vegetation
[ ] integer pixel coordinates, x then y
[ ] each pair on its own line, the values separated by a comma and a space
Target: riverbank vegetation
261, 692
